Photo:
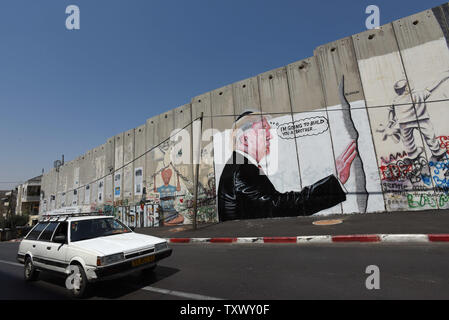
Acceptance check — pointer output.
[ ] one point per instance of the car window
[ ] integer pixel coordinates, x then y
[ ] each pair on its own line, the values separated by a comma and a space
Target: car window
48, 232
61, 230
34, 234
89, 229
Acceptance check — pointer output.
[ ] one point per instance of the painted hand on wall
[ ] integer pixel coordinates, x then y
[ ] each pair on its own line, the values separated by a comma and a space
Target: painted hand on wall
344, 162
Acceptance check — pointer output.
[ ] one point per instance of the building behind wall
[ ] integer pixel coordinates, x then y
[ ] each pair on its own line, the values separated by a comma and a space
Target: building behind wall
5, 196
28, 197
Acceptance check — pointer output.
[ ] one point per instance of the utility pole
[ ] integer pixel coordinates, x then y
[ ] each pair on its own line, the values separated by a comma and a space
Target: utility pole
197, 171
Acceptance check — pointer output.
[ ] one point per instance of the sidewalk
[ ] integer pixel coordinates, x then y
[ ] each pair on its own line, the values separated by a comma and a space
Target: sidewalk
398, 223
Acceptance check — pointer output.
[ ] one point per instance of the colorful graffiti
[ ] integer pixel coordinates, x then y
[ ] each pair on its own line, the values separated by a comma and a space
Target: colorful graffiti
427, 200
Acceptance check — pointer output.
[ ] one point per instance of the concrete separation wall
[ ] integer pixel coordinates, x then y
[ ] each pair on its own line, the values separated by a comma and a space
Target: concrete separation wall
359, 127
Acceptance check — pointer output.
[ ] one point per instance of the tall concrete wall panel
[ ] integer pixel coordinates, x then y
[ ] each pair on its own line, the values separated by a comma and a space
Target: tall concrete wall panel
128, 170
181, 153
276, 107
81, 187
274, 94
95, 169
381, 68
150, 165
223, 117
337, 61
118, 169
424, 52
90, 192
86, 177
47, 191
307, 101
222, 101
76, 181
246, 95
425, 55
100, 173
139, 163
181, 170
170, 180
69, 187
61, 187
306, 93
441, 13
380, 65
206, 178
109, 168
164, 127
349, 125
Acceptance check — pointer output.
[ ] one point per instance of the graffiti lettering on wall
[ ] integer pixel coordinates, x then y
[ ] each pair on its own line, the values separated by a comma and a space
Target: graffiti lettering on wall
440, 171
405, 169
444, 142
393, 158
427, 200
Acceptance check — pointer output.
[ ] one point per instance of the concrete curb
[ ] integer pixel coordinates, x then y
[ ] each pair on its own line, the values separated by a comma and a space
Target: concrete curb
360, 238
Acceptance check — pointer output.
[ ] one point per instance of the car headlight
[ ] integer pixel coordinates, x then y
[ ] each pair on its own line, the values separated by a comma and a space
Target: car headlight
160, 246
103, 261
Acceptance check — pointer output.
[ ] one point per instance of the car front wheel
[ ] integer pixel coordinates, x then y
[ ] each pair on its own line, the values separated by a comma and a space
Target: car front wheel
30, 273
77, 282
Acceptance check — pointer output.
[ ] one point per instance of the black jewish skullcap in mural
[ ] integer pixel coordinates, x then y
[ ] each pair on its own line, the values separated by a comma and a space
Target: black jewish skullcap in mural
245, 113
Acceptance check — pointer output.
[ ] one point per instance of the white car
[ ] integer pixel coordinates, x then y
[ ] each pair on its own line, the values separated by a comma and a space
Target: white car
87, 249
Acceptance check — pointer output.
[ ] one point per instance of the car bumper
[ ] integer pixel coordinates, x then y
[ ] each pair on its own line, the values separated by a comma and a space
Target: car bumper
21, 258
125, 268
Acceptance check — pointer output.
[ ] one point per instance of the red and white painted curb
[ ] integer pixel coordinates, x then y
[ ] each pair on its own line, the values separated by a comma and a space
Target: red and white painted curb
366, 238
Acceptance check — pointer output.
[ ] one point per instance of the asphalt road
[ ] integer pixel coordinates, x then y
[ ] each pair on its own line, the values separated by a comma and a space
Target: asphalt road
261, 271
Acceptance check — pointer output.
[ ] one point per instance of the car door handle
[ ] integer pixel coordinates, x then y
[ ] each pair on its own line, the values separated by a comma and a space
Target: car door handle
48, 248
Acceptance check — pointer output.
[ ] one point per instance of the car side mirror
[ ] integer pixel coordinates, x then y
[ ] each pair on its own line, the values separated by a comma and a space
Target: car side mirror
132, 228
59, 239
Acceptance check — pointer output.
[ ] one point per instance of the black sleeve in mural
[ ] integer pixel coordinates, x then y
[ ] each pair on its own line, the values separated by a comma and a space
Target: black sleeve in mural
360, 177
244, 193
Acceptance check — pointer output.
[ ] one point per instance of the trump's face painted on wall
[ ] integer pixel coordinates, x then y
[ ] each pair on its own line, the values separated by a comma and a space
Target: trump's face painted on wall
255, 141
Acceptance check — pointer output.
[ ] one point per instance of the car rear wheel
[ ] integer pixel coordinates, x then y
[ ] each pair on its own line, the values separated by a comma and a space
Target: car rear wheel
30, 273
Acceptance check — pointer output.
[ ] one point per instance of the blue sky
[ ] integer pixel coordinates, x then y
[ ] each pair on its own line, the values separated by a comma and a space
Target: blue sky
65, 92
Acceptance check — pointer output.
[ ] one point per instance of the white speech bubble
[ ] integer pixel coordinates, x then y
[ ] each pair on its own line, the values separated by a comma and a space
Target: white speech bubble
303, 127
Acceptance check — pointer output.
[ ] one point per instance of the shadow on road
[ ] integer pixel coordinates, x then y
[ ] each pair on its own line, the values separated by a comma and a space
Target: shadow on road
111, 289
14, 287
115, 289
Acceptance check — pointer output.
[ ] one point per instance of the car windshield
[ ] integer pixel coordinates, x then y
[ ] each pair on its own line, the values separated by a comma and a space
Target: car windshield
94, 228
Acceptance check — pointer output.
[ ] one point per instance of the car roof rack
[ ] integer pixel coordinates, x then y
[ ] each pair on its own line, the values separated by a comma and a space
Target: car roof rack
69, 212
